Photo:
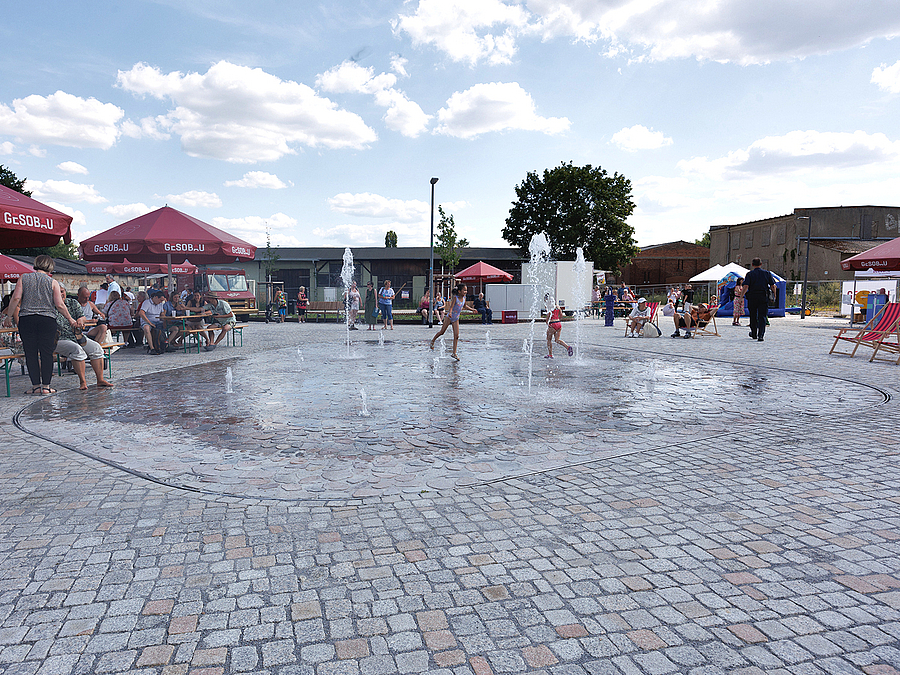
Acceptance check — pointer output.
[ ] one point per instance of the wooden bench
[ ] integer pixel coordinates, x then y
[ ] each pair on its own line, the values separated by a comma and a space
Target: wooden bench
237, 329
107, 357
323, 309
6, 362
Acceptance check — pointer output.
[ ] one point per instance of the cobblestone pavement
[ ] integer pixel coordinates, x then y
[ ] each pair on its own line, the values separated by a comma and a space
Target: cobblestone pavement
704, 506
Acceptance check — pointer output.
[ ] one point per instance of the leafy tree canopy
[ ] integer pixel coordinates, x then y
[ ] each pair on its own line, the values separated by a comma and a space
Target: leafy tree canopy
448, 246
390, 239
575, 206
10, 180
703, 241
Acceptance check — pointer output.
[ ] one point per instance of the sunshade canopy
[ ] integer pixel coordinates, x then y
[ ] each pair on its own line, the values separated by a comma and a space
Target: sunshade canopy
481, 271
25, 222
885, 256
139, 269
166, 232
11, 270
714, 273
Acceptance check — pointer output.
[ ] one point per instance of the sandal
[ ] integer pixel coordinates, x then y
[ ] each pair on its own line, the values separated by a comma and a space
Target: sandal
35, 391
47, 390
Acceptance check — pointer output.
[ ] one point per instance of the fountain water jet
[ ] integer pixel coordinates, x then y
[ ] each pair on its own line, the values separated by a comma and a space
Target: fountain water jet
229, 381
347, 278
538, 274
579, 298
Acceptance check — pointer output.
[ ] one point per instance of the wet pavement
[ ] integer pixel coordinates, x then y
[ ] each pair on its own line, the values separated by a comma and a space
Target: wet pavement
296, 425
700, 506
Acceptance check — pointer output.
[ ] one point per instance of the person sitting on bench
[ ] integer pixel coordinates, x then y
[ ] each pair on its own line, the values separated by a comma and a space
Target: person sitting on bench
484, 308
219, 313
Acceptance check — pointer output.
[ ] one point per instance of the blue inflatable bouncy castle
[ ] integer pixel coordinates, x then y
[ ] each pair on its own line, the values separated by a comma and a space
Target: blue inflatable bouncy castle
725, 293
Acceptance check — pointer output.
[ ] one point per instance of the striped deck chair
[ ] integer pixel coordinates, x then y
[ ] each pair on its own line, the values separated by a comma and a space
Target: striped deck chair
709, 328
652, 306
875, 334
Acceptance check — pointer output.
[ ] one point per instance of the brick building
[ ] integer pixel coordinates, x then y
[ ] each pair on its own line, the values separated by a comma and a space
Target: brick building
837, 233
664, 264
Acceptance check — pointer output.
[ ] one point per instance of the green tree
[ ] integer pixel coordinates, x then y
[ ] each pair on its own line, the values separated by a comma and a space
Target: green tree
447, 245
61, 250
575, 206
270, 256
703, 241
10, 180
390, 239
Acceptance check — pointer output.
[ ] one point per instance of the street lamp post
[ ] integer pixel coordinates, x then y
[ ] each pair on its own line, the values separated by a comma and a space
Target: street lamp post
808, 220
431, 263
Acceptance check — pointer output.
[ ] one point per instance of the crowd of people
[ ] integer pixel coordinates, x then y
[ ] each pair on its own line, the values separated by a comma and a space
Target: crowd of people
75, 327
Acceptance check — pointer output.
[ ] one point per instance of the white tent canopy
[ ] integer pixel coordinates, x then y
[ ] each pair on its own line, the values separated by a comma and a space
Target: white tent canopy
714, 273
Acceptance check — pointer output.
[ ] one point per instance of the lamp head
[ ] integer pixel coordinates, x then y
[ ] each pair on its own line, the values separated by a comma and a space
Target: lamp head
434, 180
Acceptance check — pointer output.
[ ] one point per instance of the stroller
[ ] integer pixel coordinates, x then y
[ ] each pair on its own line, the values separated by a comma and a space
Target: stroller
271, 312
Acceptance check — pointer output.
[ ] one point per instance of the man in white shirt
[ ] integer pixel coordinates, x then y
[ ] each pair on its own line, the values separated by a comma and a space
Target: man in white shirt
638, 317
150, 313
112, 285
101, 295
92, 313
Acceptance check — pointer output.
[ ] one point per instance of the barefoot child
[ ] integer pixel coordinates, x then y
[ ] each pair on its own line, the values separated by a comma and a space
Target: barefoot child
452, 317
554, 327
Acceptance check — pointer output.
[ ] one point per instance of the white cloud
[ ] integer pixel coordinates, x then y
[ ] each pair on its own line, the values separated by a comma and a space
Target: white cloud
129, 211
495, 106
62, 119
398, 65
282, 229
241, 114
258, 179
78, 219
64, 191
798, 150
887, 78
639, 137
149, 127
716, 30
194, 198
466, 30
402, 114
367, 205
72, 167
7, 148
37, 151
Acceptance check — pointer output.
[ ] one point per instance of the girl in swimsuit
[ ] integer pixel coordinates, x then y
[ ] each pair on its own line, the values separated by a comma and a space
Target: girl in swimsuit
452, 317
554, 327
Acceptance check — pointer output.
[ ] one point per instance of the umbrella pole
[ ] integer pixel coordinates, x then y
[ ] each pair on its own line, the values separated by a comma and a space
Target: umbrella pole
171, 287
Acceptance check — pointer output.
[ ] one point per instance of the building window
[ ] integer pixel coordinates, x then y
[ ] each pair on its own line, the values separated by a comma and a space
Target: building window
765, 236
780, 234
735, 240
748, 238
680, 265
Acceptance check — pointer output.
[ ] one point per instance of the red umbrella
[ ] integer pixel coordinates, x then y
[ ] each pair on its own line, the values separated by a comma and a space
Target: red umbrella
25, 222
160, 234
11, 270
482, 272
882, 258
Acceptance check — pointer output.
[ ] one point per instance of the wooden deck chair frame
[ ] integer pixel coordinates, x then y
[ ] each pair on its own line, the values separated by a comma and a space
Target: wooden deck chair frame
652, 306
879, 327
711, 328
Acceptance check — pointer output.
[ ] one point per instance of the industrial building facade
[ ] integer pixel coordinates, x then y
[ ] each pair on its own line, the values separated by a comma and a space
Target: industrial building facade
835, 233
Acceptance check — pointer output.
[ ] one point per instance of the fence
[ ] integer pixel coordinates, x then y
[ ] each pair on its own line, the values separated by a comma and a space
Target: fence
821, 296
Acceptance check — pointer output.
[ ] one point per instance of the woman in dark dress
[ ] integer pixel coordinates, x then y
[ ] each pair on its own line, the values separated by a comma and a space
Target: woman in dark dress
371, 303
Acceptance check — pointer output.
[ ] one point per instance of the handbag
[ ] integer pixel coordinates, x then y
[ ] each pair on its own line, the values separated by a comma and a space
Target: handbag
651, 330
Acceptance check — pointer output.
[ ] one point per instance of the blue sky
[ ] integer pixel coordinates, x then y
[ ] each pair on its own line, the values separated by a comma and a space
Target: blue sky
323, 123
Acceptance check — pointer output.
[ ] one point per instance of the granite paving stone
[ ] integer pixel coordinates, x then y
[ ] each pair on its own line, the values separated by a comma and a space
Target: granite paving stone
653, 506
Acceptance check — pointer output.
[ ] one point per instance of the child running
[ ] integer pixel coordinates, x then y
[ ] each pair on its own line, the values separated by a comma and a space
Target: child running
554, 327
459, 306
